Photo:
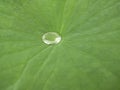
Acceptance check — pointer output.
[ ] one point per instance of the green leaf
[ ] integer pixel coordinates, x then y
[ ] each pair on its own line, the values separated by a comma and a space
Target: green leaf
87, 58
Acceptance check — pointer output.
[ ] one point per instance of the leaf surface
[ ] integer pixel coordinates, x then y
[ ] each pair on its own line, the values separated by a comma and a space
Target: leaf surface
87, 58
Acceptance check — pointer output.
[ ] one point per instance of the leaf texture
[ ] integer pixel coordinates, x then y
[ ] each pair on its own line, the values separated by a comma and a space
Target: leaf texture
87, 58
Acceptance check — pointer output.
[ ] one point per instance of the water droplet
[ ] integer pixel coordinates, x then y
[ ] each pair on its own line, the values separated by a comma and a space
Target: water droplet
51, 38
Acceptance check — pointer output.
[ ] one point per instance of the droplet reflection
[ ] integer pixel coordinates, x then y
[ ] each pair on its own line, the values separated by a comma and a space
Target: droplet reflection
51, 38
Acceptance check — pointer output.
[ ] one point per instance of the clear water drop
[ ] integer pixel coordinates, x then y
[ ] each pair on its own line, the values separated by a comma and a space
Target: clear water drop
51, 38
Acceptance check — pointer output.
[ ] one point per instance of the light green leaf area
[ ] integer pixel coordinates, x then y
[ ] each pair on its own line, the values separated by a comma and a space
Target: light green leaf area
87, 58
